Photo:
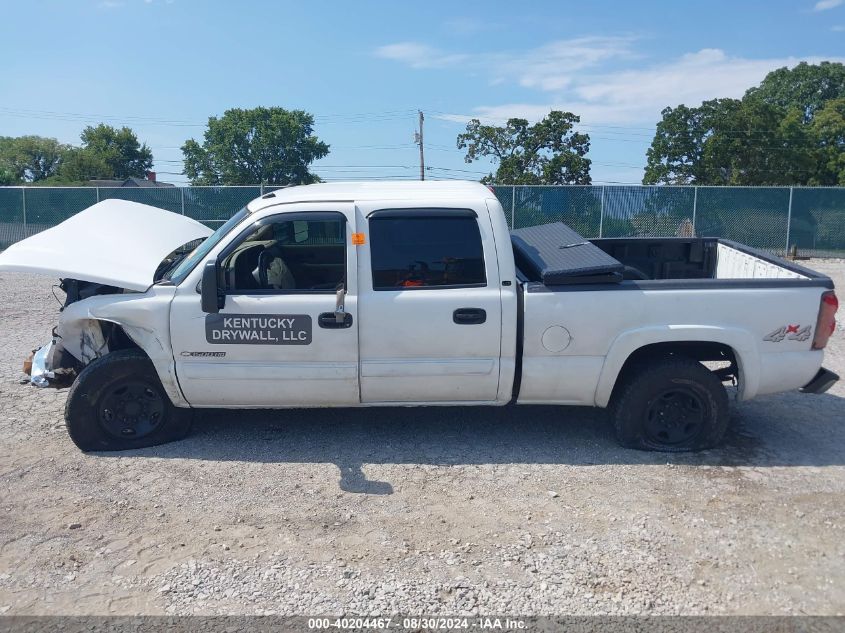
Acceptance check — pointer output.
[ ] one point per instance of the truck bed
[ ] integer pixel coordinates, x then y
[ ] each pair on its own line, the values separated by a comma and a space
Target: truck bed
585, 305
555, 256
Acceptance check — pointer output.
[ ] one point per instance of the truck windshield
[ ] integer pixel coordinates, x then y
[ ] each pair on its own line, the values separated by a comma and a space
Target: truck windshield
179, 272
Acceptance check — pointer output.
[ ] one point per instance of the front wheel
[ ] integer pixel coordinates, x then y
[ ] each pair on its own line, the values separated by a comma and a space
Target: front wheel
117, 403
673, 405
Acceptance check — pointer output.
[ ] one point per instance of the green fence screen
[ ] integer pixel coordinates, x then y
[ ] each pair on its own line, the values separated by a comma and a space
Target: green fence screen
811, 220
771, 218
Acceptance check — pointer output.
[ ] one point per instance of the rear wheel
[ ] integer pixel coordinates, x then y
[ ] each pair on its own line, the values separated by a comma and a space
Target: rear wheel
674, 405
117, 403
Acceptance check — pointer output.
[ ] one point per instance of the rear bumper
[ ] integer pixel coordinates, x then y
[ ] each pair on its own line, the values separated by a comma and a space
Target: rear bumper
821, 382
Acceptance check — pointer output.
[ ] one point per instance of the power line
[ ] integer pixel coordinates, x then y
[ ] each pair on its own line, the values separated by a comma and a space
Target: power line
588, 126
326, 119
76, 117
330, 119
388, 115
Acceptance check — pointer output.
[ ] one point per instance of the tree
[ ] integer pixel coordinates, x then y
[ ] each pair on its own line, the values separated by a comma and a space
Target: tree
7, 177
758, 144
807, 86
106, 153
828, 127
27, 159
8, 172
263, 145
80, 166
769, 137
547, 153
676, 155
118, 150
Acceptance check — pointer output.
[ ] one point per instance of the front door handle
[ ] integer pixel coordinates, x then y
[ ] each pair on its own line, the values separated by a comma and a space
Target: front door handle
328, 320
469, 316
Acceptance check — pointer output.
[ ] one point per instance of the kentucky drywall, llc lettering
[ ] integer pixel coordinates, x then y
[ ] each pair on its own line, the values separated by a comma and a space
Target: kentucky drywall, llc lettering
258, 329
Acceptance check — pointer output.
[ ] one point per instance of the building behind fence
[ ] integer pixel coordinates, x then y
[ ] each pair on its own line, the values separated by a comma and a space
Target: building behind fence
772, 218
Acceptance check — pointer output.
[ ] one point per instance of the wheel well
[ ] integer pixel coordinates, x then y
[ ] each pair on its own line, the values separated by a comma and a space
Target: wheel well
116, 337
717, 357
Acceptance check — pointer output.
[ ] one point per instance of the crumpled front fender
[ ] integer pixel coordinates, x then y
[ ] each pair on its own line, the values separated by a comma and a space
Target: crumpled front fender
144, 317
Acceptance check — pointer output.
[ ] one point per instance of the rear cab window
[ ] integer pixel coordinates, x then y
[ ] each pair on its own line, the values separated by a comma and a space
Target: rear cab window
426, 249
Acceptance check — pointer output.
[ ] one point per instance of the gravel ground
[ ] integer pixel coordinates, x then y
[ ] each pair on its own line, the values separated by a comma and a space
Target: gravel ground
528, 510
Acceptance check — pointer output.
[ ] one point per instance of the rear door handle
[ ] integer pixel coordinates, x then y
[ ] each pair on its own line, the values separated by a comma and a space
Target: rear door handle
328, 320
469, 316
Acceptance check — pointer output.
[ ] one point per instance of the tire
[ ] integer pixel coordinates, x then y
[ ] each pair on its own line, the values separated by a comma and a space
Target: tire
672, 405
117, 403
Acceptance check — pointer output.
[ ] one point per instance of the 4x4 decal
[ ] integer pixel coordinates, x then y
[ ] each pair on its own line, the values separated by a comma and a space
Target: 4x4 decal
790, 333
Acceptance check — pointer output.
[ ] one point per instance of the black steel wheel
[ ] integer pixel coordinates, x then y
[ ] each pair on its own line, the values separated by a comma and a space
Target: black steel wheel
675, 416
131, 409
670, 404
117, 403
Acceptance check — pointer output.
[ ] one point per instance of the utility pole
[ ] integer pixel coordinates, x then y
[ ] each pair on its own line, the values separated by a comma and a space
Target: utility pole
419, 140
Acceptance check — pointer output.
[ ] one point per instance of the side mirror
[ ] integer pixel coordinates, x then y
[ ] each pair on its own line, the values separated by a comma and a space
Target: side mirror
209, 290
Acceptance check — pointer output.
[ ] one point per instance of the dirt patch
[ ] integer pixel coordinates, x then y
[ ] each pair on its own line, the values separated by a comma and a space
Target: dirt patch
530, 510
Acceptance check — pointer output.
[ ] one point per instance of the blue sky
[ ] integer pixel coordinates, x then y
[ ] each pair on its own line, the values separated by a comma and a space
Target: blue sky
364, 68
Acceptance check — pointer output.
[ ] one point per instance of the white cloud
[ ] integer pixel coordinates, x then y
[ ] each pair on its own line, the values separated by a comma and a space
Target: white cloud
419, 55
693, 77
638, 95
554, 65
549, 67
824, 5
580, 75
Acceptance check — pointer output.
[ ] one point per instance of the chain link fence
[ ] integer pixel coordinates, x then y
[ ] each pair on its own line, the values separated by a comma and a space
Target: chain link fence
777, 219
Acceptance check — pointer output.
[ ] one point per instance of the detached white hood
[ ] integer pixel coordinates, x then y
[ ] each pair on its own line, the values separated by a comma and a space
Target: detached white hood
113, 242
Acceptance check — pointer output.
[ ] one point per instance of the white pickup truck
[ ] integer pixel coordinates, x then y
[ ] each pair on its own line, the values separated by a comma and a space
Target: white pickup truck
347, 295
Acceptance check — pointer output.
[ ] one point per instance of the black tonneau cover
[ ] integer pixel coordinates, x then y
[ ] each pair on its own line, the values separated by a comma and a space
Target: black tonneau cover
555, 255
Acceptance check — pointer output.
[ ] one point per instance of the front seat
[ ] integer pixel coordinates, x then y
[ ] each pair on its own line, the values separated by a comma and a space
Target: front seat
272, 271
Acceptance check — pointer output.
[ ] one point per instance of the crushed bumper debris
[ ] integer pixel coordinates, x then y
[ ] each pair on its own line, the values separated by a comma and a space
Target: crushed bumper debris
41, 363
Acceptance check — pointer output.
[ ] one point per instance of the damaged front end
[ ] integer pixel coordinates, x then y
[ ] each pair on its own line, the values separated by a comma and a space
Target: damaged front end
53, 364
39, 365
96, 320
115, 248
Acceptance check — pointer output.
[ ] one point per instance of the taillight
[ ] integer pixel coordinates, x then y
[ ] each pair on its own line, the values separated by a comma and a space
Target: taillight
827, 319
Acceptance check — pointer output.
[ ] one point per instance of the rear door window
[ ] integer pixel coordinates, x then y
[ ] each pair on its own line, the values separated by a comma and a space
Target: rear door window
426, 248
